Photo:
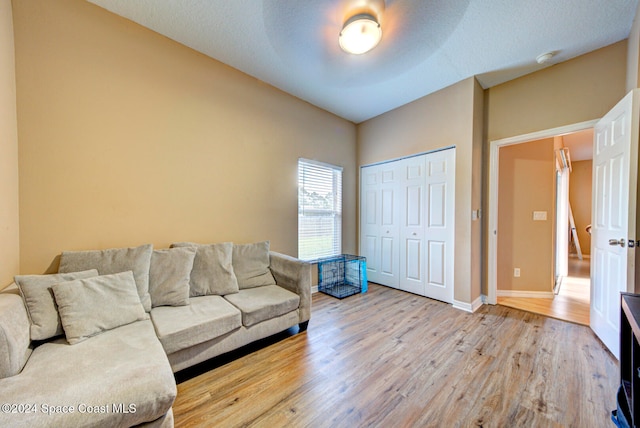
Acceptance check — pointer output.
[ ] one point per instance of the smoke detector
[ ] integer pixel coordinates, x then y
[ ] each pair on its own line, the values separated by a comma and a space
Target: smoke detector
545, 57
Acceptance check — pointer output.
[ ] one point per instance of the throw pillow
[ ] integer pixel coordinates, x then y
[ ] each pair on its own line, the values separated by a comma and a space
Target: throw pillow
115, 260
41, 306
251, 265
169, 276
212, 272
91, 306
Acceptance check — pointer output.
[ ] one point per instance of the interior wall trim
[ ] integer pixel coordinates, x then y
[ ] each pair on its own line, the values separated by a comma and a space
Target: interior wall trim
528, 294
440, 149
469, 307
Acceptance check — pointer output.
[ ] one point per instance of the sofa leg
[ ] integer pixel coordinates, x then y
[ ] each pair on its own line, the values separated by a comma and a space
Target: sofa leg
303, 326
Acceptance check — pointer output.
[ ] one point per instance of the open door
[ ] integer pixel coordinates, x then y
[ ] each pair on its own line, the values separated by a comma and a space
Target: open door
615, 174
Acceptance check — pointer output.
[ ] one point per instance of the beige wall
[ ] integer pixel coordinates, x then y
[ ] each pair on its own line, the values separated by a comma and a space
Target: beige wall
580, 199
127, 137
477, 237
445, 118
9, 219
633, 53
527, 184
574, 91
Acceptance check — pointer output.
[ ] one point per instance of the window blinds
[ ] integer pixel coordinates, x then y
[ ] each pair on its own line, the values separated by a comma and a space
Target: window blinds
319, 210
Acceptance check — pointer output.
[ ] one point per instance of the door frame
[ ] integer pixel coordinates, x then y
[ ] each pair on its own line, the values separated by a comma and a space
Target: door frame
492, 203
561, 245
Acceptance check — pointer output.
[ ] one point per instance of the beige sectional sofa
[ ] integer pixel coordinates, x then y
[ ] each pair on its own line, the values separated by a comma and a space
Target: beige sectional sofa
97, 344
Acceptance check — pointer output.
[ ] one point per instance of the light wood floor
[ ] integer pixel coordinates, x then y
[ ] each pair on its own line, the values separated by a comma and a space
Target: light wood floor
393, 359
570, 304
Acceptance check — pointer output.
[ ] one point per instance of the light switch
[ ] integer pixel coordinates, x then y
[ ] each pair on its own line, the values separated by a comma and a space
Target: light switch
539, 215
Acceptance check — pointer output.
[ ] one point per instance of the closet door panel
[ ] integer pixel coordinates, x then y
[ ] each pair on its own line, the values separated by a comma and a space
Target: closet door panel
379, 223
437, 212
412, 229
387, 266
440, 227
372, 253
388, 210
389, 224
436, 267
370, 220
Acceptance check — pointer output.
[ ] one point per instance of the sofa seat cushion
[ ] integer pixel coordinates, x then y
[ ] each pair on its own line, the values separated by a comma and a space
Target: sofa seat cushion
205, 318
119, 378
262, 303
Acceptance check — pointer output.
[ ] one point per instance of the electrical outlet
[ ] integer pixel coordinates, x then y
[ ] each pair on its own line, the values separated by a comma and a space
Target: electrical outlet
516, 272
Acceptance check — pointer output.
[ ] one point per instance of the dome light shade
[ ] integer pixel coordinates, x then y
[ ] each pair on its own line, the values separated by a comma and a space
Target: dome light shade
360, 34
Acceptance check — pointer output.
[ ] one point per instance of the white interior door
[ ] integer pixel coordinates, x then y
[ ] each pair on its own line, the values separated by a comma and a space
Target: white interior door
407, 231
412, 229
379, 236
615, 163
439, 224
389, 225
370, 220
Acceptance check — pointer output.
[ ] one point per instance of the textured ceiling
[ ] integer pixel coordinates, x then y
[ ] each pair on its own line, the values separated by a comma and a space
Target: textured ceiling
426, 44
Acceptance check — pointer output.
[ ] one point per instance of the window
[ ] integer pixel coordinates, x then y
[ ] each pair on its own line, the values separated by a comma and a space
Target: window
319, 210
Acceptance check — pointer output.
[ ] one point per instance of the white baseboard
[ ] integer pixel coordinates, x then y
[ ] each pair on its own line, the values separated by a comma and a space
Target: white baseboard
469, 307
528, 294
314, 289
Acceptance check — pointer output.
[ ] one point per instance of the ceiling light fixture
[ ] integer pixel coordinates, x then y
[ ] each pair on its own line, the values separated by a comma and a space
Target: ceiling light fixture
360, 34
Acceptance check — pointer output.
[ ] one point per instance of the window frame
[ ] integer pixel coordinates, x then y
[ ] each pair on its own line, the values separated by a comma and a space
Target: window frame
306, 210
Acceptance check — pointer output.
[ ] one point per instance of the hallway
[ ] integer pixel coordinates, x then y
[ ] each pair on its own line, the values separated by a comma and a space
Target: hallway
570, 304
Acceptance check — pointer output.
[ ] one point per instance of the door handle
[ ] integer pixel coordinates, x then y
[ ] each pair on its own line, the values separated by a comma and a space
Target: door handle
614, 242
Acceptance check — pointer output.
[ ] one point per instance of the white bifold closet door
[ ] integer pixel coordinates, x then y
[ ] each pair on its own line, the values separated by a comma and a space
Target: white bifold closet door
406, 223
379, 225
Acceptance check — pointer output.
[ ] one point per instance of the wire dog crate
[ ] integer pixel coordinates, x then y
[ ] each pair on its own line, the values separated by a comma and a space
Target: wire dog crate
342, 276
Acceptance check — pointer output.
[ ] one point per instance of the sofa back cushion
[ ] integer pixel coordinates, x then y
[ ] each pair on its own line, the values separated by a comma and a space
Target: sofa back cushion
251, 265
14, 333
91, 306
212, 272
169, 276
114, 260
41, 306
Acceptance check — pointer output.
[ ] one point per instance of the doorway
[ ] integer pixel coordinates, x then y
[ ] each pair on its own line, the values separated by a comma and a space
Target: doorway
565, 292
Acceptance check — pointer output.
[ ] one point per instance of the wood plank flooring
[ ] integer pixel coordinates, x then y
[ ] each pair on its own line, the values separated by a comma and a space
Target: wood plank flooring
572, 303
393, 359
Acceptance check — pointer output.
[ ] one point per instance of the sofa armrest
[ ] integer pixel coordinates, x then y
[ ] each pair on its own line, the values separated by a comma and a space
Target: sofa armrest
15, 341
294, 275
